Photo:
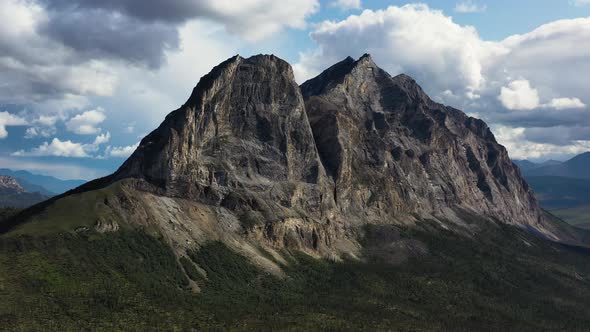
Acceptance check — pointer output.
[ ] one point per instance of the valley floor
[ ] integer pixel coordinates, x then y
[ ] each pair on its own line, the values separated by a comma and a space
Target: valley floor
578, 216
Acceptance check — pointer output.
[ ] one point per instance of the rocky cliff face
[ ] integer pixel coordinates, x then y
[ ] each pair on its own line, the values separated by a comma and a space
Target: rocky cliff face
389, 148
243, 131
351, 146
252, 159
13, 195
242, 143
8, 185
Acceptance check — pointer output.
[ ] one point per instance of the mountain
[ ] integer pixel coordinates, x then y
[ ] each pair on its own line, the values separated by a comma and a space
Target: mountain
384, 141
46, 185
12, 194
353, 146
350, 202
357, 146
550, 162
566, 198
526, 165
562, 187
9, 185
577, 167
33, 188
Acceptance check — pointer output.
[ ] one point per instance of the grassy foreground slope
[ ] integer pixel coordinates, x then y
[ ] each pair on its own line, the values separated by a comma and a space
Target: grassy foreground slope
501, 279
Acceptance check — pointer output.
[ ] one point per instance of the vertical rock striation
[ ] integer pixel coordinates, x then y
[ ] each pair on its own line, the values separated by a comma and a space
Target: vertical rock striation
244, 128
242, 142
254, 159
389, 148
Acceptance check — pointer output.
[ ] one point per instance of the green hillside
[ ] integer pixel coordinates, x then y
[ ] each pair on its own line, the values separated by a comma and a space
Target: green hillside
502, 279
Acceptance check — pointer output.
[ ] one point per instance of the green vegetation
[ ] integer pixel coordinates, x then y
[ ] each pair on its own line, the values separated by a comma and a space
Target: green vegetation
20, 199
128, 280
575, 215
70, 213
250, 219
7, 212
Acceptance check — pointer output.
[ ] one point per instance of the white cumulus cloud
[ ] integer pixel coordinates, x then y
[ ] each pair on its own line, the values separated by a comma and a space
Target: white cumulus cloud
414, 39
87, 122
347, 4
257, 19
67, 148
580, 3
55, 148
46, 120
565, 103
33, 132
469, 6
121, 151
519, 95
519, 147
43, 126
102, 139
9, 119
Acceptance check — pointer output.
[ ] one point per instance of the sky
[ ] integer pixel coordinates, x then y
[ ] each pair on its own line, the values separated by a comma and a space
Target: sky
82, 81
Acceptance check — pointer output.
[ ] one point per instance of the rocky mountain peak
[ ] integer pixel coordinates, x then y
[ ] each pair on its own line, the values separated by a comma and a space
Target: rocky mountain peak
366, 60
355, 76
243, 131
8, 183
583, 157
252, 155
344, 71
353, 140
408, 86
389, 147
207, 82
224, 71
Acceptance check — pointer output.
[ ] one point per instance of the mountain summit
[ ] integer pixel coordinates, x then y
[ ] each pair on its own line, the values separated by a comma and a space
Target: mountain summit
253, 159
243, 131
390, 148
14, 195
9, 184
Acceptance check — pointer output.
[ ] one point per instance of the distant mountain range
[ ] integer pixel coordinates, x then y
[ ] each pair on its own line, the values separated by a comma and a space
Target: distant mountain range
47, 185
526, 165
577, 167
563, 188
21, 189
13, 194
557, 192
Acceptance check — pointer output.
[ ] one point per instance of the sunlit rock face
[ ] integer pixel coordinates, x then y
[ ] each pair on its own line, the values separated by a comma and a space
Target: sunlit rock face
388, 146
252, 159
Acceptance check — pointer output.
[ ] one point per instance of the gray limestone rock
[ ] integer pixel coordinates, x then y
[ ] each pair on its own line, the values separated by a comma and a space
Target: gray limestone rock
253, 159
388, 146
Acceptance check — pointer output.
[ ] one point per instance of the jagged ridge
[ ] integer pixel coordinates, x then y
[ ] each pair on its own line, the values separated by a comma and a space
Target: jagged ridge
402, 151
306, 167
